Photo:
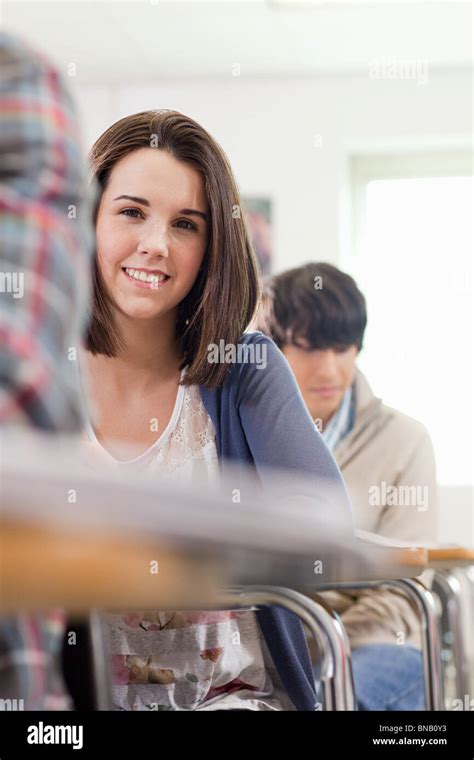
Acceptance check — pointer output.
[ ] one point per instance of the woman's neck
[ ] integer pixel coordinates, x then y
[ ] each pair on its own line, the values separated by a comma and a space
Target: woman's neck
150, 355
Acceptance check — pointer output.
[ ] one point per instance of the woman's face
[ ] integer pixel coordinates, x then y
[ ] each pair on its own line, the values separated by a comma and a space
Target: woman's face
152, 232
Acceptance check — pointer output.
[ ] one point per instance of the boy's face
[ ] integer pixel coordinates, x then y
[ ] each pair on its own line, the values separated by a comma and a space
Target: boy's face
323, 375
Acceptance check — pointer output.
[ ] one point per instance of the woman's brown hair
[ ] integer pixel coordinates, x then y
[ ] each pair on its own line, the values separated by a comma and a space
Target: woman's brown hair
225, 294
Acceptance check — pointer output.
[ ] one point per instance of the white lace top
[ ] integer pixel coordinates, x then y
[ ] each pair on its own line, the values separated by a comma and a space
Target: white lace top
178, 660
185, 449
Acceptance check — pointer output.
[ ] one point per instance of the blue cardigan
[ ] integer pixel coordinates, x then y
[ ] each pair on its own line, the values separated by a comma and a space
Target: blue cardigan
261, 420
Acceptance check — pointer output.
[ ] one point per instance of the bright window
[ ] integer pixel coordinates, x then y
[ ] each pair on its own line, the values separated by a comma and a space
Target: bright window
413, 261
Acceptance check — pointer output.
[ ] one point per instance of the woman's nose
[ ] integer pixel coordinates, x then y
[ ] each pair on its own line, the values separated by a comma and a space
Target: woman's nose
155, 242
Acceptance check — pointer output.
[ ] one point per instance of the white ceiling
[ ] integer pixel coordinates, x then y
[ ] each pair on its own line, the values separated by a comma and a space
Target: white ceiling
142, 40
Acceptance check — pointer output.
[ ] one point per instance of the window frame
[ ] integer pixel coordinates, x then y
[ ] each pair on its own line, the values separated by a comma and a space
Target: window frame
365, 168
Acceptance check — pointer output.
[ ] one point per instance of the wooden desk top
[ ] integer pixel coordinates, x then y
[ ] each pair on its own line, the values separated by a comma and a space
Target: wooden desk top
450, 556
41, 568
96, 552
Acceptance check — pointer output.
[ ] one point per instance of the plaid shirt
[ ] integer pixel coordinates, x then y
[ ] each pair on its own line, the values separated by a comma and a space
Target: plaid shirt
46, 237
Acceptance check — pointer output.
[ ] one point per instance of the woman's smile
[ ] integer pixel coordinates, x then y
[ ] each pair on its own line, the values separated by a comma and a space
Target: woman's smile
143, 278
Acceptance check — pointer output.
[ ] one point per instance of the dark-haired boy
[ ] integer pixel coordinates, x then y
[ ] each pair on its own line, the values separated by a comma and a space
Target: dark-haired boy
317, 316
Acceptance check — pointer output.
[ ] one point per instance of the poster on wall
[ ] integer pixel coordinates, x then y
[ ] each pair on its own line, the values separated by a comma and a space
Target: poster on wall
258, 213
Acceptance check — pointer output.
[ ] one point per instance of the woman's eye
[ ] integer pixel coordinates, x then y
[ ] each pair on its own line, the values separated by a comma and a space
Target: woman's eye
131, 212
191, 226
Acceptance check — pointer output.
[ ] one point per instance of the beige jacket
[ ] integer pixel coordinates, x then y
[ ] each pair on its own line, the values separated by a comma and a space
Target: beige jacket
386, 448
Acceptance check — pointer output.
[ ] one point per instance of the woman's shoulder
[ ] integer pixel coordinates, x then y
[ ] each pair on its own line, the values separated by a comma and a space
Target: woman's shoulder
256, 367
253, 363
255, 359
255, 336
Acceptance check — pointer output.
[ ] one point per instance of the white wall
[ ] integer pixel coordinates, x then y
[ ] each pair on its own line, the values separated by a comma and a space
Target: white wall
455, 523
268, 129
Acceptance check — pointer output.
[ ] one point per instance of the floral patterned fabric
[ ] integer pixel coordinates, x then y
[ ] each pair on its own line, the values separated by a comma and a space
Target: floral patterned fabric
189, 660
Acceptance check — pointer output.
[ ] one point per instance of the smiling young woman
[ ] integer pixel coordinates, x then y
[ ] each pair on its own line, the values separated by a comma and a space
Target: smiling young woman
175, 273
187, 165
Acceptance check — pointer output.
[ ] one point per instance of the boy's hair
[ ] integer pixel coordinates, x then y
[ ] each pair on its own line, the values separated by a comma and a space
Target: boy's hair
225, 294
315, 303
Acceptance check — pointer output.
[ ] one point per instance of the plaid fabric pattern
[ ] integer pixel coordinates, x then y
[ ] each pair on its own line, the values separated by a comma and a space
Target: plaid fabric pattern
46, 237
45, 243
